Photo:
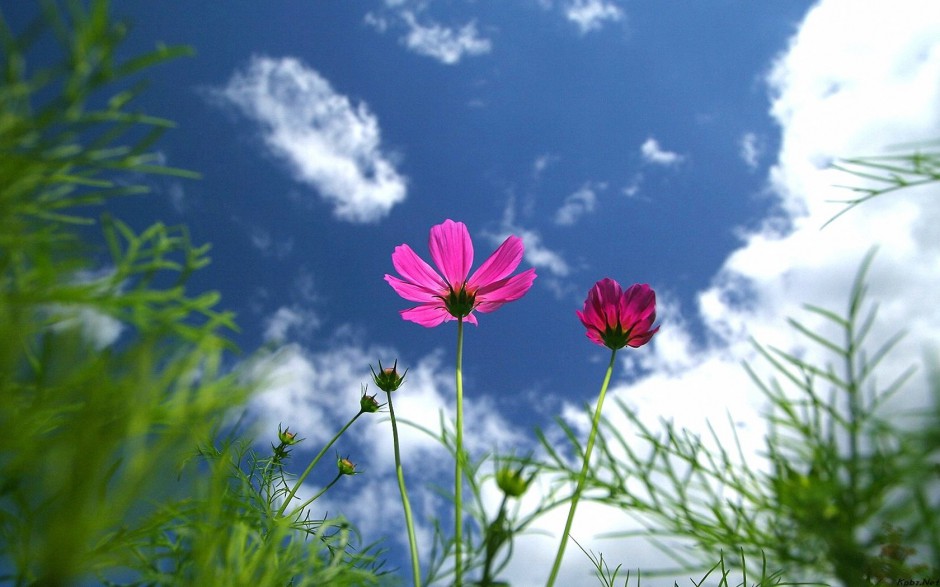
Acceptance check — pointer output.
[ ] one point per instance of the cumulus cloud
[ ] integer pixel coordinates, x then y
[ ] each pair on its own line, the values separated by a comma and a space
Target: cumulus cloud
591, 15
328, 142
653, 153
578, 204
447, 45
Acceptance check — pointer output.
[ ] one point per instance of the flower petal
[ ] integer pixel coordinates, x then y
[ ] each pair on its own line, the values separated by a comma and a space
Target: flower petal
452, 250
415, 269
501, 263
410, 291
641, 339
505, 290
427, 315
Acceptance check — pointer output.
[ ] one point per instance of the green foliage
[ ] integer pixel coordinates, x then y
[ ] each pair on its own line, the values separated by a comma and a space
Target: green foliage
889, 173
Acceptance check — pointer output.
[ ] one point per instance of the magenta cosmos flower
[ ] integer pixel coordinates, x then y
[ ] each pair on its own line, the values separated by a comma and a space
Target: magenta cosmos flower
615, 318
448, 294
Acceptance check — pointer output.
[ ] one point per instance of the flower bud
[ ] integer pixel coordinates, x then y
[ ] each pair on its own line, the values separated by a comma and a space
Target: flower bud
369, 404
511, 482
345, 466
388, 379
287, 437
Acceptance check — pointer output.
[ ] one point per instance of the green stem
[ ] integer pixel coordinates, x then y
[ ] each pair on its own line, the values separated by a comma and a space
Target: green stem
584, 467
312, 464
494, 541
406, 505
458, 463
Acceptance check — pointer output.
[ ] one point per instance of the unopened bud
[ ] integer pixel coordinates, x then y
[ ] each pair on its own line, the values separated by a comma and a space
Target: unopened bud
287, 437
511, 482
388, 379
346, 467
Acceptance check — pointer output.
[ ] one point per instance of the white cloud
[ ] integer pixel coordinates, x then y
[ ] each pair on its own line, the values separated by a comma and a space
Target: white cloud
590, 15
289, 319
447, 45
751, 149
653, 153
578, 204
541, 163
329, 143
536, 253
262, 240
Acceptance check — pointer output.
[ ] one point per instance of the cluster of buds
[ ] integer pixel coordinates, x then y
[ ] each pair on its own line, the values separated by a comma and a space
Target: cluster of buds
286, 439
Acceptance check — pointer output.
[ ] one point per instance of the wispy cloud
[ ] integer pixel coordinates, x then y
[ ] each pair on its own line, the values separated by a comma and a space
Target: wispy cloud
541, 163
591, 15
289, 320
328, 142
447, 45
632, 189
262, 240
751, 149
653, 153
578, 204
536, 253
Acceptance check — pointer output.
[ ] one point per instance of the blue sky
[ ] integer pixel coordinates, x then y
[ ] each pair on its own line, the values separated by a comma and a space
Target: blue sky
679, 144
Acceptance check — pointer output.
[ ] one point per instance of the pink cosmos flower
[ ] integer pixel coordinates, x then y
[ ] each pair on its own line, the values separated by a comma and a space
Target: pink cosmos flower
447, 294
615, 318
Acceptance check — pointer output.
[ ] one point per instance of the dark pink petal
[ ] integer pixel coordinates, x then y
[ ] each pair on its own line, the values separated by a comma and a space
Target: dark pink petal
414, 269
640, 340
410, 291
501, 263
614, 317
591, 320
428, 316
595, 337
452, 250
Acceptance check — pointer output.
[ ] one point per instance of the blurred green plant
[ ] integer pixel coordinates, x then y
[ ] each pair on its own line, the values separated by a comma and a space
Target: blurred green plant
914, 165
112, 372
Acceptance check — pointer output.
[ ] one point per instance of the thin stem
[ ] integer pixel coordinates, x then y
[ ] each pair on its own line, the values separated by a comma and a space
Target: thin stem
319, 493
584, 467
406, 505
312, 464
458, 463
